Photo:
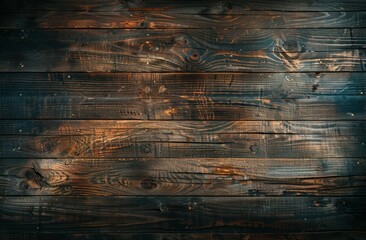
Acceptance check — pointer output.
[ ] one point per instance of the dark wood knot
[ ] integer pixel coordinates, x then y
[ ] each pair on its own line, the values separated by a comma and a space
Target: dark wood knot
194, 56
148, 184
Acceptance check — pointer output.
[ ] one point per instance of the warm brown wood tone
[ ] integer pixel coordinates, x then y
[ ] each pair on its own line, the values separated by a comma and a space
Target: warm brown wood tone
249, 96
157, 143
141, 50
174, 177
181, 129
160, 20
180, 120
186, 6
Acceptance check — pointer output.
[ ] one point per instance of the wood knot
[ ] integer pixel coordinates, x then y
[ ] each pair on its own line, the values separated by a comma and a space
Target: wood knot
24, 186
148, 184
29, 174
145, 148
181, 41
254, 148
35, 130
66, 188
194, 56
292, 46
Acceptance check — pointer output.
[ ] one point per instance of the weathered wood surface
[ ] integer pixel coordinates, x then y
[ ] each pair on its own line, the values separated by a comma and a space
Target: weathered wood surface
126, 19
180, 128
208, 176
141, 50
244, 96
143, 143
182, 214
171, 120
185, 6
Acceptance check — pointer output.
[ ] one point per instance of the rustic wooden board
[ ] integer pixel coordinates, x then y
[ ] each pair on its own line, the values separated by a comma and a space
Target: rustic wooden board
359, 41
244, 96
276, 85
182, 6
159, 176
181, 214
182, 119
141, 50
126, 19
197, 108
181, 128
142, 143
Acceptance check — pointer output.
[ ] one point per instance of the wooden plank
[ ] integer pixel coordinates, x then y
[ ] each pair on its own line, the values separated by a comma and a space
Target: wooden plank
359, 39
181, 214
244, 96
182, 128
275, 85
126, 19
198, 108
184, 236
195, 176
340, 108
142, 50
155, 143
182, 6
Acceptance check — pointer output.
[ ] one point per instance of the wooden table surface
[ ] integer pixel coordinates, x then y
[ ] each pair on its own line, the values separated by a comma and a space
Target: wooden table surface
187, 119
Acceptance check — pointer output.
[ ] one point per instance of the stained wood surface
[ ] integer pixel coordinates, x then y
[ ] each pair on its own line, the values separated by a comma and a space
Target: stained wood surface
179, 128
172, 120
175, 177
182, 214
186, 6
243, 96
139, 50
155, 143
131, 19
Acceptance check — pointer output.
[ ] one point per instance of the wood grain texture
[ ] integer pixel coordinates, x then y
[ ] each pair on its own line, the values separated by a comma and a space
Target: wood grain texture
142, 143
172, 120
141, 50
181, 214
208, 176
182, 128
126, 19
182, 6
244, 96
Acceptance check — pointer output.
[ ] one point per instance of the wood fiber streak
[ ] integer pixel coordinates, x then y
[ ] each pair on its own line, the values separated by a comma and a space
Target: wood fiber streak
140, 50
181, 214
208, 176
126, 19
182, 128
244, 96
156, 144
182, 6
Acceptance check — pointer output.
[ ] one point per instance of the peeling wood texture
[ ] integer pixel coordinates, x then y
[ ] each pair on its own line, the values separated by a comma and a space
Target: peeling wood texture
177, 120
